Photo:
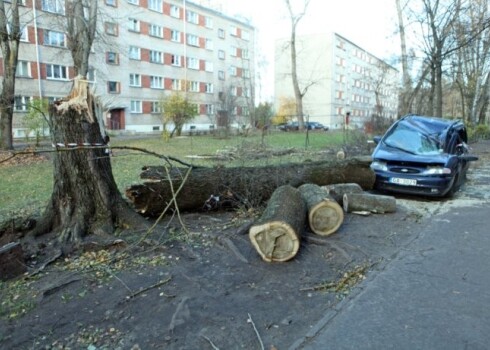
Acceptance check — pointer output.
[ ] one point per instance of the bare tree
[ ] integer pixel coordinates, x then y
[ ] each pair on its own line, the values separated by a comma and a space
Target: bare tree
10, 34
298, 93
85, 198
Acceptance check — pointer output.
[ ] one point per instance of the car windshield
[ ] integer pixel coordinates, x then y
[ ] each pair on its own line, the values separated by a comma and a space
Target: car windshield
412, 140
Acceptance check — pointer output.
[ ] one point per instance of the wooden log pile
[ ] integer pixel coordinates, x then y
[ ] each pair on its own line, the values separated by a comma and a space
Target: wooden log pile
276, 235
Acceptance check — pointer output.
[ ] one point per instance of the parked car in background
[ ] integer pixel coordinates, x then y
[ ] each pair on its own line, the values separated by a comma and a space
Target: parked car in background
422, 156
292, 126
315, 126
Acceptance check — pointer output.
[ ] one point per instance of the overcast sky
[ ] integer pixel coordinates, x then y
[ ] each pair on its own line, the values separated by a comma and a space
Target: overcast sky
370, 24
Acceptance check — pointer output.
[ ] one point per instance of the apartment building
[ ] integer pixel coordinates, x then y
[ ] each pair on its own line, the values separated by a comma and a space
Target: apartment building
145, 49
345, 84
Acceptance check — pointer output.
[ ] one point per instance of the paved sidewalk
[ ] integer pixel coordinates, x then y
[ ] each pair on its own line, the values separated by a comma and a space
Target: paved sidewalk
434, 295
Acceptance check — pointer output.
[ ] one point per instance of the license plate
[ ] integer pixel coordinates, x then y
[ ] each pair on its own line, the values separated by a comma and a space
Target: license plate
404, 182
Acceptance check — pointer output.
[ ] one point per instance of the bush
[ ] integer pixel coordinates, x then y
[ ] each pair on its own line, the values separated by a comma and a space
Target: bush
480, 132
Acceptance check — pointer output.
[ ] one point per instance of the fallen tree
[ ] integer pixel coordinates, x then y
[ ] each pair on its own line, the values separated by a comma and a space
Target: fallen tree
248, 186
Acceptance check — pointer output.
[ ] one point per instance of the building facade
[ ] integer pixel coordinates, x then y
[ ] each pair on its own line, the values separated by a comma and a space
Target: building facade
144, 50
345, 84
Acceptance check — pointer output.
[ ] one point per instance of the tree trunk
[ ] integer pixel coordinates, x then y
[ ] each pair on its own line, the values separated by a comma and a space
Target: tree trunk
369, 202
248, 186
337, 191
276, 235
85, 197
325, 215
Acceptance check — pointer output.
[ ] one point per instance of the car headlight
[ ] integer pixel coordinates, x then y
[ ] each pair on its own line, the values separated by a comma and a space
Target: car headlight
437, 170
377, 165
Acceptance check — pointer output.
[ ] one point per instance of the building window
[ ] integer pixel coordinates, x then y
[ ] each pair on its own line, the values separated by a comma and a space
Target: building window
245, 35
134, 80
55, 6
209, 67
175, 36
233, 30
54, 38
246, 73
221, 54
156, 30
176, 60
136, 106
192, 63
221, 33
112, 58
111, 3
176, 84
192, 17
233, 71
192, 40
23, 69
209, 44
156, 107
194, 86
156, 56
156, 82
56, 71
175, 11
209, 109
134, 53
221, 75
134, 25
155, 5
246, 92
209, 88
111, 28
233, 91
208, 22
245, 54
21, 103
134, 2
23, 34
113, 87
233, 51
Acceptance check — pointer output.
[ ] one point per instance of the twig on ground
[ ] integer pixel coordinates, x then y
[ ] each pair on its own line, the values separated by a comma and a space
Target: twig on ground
210, 342
234, 249
158, 284
256, 331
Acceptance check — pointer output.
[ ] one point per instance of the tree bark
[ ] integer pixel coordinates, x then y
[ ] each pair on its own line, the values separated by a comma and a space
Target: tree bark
85, 199
337, 191
325, 215
247, 186
369, 202
276, 235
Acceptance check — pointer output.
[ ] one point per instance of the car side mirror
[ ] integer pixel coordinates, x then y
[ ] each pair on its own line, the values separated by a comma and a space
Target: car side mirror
376, 139
468, 158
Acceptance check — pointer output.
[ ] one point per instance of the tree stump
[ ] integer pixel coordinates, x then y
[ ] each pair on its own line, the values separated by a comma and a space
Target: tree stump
325, 215
337, 191
369, 202
276, 235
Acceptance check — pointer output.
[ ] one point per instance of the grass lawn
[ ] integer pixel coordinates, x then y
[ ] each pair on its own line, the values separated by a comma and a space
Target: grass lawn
25, 189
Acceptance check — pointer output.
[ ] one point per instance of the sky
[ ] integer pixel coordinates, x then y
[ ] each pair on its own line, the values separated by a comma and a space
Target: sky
370, 24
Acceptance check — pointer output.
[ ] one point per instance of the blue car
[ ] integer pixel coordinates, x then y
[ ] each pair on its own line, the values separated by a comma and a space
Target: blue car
422, 156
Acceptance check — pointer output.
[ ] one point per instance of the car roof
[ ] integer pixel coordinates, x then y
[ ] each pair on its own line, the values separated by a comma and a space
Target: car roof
432, 125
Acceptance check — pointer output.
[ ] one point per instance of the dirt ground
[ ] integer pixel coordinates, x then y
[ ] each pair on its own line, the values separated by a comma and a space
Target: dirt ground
208, 288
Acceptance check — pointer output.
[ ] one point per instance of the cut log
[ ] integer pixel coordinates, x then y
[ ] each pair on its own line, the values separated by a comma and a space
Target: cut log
276, 235
337, 191
369, 202
250, 186
325, 215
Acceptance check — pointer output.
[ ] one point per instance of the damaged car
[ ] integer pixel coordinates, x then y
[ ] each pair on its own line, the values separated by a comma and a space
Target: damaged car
421, 155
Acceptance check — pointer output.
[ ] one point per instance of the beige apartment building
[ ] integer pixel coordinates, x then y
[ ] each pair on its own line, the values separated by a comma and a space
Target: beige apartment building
145, 49
344, 83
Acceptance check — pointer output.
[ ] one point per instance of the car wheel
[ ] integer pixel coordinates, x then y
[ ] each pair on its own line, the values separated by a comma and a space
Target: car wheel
455, 186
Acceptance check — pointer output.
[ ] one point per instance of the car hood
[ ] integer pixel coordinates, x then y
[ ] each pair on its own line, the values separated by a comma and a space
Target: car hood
383, 153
